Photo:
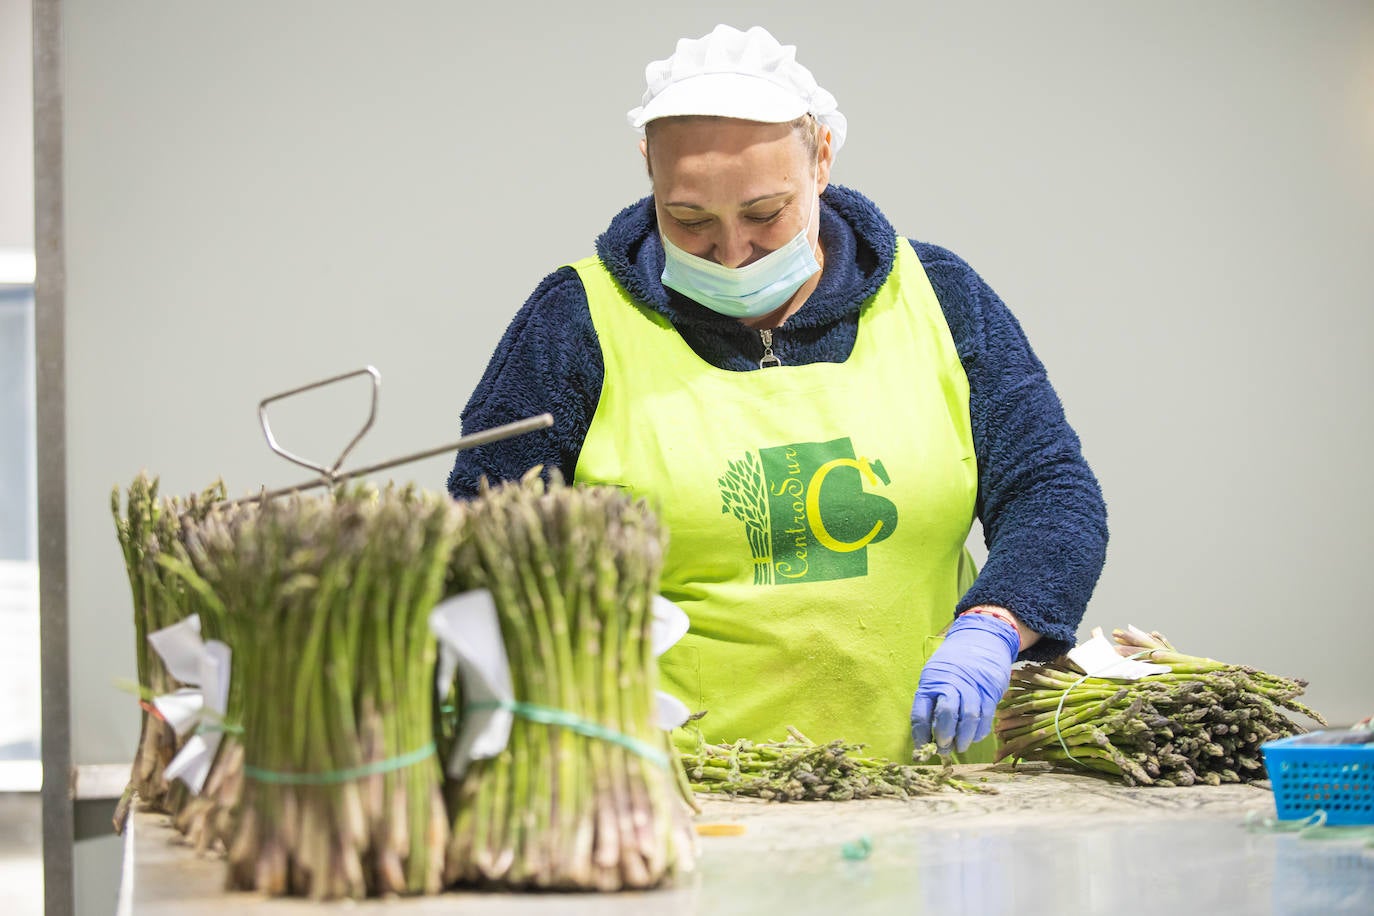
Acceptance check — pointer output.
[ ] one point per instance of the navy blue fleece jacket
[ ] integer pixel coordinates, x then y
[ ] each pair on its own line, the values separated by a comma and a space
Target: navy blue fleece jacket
1042, 511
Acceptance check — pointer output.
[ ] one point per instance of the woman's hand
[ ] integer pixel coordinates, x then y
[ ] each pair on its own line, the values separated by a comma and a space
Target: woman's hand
963, 682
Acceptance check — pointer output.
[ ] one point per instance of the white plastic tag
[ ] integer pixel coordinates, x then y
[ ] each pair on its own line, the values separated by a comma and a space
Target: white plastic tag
469, 634
468, 629
669, 711
181, 709
669, 625
1098, 658
205, 667
179, 647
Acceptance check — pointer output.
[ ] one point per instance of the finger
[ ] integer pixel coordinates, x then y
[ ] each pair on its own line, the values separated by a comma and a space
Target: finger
970, 722
944, 719
988, 718
920, 719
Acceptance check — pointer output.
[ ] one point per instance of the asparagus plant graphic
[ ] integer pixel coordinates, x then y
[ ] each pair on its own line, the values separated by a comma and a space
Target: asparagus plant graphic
743, 496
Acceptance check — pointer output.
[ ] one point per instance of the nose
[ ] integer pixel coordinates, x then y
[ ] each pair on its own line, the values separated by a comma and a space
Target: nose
734, 247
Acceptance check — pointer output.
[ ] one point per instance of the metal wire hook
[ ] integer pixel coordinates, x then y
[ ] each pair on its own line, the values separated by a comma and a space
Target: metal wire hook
330, 473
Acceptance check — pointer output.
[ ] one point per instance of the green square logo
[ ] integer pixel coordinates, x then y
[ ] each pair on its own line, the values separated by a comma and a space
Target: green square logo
806, 513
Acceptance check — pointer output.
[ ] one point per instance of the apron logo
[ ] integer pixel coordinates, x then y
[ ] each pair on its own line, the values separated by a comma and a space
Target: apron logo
806, 512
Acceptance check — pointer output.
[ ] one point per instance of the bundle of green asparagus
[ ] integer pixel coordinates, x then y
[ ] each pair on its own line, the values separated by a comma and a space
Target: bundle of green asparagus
329, 600
585, 794
1202, 722
207, 819
148, 527
798, 769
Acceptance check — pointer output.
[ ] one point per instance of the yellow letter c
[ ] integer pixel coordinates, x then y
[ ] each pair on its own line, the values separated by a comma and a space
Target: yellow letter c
813, 505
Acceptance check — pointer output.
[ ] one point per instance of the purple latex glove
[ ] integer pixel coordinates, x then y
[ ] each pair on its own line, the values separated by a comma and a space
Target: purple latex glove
963, 682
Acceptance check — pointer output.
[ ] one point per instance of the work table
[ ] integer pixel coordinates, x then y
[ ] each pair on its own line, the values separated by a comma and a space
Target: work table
1050, 841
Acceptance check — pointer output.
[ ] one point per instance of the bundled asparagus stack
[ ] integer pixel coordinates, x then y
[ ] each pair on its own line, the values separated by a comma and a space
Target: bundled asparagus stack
797, 769
591, 802
1203, 722
208, 818
342, 794
148, 528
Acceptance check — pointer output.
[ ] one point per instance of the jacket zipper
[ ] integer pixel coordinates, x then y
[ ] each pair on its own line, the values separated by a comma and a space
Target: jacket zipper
769, 357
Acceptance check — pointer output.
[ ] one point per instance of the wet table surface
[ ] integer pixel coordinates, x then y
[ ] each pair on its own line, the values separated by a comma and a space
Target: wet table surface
1049, 842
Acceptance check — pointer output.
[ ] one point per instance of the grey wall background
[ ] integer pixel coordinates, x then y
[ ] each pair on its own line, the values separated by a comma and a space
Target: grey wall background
16, 107
1176, 199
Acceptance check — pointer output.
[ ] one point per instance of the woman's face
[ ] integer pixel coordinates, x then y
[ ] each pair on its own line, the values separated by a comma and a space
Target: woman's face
732, 191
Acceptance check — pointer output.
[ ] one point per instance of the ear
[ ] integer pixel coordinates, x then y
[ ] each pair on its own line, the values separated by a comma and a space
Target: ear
825, 158
644, 151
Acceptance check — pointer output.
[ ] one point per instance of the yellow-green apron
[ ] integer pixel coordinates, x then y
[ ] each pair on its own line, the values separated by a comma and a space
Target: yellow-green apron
816, 514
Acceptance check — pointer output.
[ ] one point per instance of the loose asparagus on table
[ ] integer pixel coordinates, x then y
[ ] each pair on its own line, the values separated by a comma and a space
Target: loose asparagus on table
797, 769
1203, 722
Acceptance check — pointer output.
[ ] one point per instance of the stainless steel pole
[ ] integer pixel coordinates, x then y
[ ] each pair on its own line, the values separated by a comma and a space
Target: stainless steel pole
50, 291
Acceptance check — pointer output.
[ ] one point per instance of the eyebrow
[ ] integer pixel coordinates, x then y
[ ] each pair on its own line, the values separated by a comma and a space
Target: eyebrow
744, 206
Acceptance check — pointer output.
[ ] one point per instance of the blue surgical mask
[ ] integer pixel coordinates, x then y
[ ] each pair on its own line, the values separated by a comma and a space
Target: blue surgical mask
742, 292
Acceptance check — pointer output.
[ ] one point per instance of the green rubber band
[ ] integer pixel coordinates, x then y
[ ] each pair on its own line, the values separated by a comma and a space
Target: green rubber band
1065, 695
1312, 827
228, 728
1258, 822
334, 777
547, 715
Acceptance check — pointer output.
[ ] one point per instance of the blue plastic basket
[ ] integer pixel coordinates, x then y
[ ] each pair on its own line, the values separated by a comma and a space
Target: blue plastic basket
1335, 778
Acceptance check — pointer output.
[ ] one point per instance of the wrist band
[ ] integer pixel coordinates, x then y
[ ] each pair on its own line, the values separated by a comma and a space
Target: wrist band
1000, 614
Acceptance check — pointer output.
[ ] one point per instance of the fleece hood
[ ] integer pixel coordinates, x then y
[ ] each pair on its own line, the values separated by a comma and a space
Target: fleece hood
858, 241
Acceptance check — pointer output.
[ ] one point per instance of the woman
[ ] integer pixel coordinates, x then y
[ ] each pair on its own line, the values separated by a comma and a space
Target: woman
817, 408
